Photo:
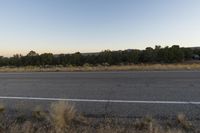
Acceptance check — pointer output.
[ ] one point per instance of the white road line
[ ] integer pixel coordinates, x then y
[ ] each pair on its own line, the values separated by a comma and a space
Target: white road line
99, 101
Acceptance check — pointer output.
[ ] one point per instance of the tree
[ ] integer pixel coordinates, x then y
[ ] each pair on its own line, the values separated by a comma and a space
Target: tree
105, 57
176, 54
77, 59
4, 61
32, 58
148, 55
32, 53
46, 59
188, 53
130, 56
15, 60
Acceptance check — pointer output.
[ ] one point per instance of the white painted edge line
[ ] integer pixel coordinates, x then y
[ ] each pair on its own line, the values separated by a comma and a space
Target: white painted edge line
99, 101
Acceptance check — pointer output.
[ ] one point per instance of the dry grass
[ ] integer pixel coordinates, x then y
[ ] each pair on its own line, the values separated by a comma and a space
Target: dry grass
62, 115
183, 121
2, 108
39, 114
139, 67
63, 118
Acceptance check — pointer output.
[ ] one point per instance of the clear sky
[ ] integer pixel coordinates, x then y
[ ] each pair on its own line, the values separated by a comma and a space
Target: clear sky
65, 26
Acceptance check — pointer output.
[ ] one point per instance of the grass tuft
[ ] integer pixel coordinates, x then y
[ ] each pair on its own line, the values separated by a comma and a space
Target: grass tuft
62, 115
183, 121
144, 124
2, 108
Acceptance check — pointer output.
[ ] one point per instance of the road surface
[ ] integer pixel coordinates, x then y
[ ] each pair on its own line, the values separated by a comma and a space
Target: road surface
125, 94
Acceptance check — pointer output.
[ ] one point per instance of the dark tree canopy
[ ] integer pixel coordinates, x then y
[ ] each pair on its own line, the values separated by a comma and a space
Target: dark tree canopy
174, 54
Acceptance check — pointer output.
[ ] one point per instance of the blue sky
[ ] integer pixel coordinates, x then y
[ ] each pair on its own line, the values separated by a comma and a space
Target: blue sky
65, 26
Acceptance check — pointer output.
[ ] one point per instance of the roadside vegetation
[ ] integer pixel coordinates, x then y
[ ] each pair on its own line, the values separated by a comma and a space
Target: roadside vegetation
158, 58
89, 68
62, 117
157, 55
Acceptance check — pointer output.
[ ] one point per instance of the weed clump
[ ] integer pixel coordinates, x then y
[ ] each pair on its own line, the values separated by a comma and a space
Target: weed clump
62, 115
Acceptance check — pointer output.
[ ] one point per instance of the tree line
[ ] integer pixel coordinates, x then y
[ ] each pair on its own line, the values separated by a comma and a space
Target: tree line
173, 54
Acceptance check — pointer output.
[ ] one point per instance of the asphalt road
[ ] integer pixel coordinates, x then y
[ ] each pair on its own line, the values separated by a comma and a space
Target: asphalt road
178, 86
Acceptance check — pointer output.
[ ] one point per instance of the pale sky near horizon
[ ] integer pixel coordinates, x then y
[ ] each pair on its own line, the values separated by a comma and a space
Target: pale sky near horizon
66, 26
